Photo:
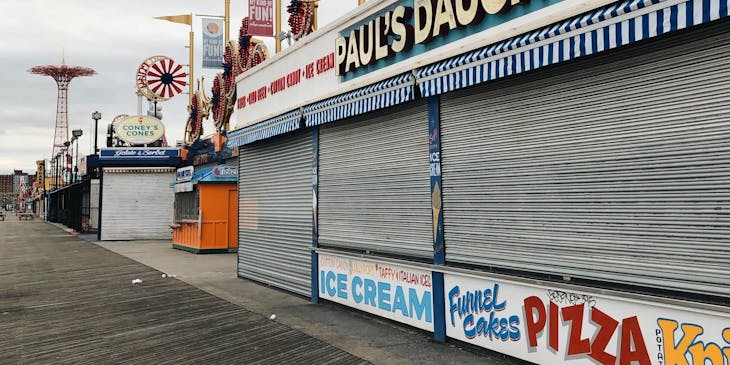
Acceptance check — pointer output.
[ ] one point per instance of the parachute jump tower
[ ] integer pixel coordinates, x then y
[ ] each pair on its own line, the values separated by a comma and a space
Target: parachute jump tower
63, 75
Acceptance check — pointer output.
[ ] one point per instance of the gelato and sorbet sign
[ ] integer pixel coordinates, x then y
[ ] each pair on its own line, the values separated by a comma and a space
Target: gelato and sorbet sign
139, 130
107, 153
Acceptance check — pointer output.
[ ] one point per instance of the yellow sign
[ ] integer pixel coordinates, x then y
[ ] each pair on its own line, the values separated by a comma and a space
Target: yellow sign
140, 129
40, 172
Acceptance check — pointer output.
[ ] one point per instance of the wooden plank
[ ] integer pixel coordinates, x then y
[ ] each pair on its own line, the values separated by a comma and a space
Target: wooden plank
63, 300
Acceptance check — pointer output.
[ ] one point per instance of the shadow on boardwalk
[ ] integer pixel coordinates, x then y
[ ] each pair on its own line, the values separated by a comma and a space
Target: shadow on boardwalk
63, 300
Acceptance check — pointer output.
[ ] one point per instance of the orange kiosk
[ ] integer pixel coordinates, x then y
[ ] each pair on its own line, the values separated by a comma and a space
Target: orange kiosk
206, 210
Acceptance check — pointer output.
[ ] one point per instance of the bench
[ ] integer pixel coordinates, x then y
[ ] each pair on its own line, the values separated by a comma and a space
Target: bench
28, 216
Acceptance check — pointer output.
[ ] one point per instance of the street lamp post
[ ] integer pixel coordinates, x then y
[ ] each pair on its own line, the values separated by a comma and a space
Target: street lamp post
55, 171
66, 156
71, 167
58, 169
76, 133
96, 116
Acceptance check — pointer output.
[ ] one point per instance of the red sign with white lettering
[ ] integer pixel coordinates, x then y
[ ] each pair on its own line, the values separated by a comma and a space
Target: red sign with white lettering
287, 81
261, 18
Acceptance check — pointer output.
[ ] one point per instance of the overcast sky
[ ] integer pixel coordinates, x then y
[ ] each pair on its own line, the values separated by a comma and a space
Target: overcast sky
113, 38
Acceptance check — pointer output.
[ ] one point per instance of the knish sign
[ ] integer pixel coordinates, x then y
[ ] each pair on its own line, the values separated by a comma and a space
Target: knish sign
400, 29
139, 130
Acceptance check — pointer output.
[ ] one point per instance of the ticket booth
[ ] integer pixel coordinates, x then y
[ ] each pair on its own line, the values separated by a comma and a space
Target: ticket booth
206, 210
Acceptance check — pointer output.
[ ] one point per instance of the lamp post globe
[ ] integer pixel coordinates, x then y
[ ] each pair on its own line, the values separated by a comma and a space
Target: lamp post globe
96, 116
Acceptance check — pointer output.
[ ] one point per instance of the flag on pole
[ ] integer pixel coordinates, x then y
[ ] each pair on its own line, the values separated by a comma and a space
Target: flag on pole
213, 46
183, 19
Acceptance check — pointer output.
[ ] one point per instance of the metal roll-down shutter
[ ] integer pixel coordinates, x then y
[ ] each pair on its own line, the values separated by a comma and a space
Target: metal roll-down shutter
374, 192
138, 203
616, 168
275, 212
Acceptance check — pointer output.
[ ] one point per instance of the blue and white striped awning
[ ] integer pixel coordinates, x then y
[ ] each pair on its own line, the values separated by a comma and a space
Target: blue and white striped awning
387, 93
269, 128
607, 28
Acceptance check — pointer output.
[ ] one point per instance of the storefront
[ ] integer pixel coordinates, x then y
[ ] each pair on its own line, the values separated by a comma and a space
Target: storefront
275, 212
135, 193
206, 209
91, 207
570, 209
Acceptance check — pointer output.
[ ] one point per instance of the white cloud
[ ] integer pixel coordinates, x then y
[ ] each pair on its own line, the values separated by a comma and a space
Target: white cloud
111, 37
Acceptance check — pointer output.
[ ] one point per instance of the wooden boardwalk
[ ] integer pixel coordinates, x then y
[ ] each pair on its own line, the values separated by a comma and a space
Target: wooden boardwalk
66, 301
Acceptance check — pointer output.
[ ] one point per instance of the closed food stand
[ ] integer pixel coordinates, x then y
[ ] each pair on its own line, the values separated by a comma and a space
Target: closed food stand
374, 193
275, 212
611, 169
206, 210
545, 179
94, 205
137, 203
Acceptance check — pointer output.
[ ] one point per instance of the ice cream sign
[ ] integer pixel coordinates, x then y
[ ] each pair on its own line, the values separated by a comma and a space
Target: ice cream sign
139, 130
399, 293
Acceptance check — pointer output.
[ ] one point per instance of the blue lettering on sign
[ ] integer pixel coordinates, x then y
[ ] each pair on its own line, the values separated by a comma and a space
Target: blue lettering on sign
370, 292
422, 308
140, 152
470, 306
384, 296
357, 289
342, 286
378, 294
399, 301
328, 283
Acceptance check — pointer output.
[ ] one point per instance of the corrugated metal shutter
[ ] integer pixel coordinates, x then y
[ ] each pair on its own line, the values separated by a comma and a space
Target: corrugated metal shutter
275, 212
374, 184
94, 205
137, 204
611, 169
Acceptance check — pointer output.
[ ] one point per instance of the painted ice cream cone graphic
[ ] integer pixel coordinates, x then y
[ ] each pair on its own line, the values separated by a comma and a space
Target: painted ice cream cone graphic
314, 208
436, 205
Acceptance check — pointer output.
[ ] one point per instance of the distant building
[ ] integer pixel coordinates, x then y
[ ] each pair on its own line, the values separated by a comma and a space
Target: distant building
6, 188
20, 178
10, 184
